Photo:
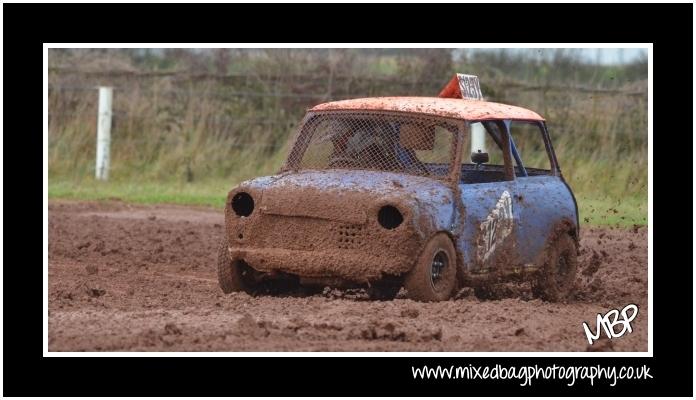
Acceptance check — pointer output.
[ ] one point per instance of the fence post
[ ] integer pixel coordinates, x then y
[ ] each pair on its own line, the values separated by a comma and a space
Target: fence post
104, 132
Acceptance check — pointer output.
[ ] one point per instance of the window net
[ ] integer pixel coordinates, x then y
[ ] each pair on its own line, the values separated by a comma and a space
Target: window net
375, 141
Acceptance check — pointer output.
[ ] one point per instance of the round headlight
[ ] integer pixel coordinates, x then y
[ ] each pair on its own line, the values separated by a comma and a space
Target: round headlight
389, 217
243, 204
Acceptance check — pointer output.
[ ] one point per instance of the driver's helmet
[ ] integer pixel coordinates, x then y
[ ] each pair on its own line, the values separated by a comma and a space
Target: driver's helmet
362, 139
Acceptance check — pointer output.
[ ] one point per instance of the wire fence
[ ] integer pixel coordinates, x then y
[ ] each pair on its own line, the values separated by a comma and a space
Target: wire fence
235, 93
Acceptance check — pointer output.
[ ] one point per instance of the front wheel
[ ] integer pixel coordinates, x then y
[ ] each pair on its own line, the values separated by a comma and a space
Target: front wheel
232, 275
434, 277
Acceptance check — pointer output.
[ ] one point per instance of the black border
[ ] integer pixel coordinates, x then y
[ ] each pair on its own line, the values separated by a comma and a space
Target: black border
26, 27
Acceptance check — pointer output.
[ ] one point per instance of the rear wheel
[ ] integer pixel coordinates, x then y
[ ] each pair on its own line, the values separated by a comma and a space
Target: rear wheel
434, 277
232, 275
557, 277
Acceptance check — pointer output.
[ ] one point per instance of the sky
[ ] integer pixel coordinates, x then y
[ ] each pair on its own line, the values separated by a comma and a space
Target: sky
614, 56
604, 56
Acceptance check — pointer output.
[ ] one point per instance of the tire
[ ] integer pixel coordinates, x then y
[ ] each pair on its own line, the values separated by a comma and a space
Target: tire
230, 273
557, 277
428, 281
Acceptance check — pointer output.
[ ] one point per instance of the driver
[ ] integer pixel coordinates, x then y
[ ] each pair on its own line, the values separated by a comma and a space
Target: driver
363, 147
371, 149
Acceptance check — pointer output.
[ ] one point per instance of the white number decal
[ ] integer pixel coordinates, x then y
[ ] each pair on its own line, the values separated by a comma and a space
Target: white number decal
496, 227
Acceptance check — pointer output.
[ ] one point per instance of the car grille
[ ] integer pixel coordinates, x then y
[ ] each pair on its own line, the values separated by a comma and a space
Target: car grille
348, 236
302, 233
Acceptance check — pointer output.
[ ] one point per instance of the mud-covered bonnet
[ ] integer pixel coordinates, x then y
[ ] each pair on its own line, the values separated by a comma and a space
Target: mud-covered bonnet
419, 194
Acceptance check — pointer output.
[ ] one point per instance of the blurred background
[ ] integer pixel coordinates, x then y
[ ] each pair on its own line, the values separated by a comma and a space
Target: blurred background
188, 124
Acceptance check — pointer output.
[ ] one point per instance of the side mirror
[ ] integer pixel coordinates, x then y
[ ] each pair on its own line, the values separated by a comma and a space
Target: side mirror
479, 158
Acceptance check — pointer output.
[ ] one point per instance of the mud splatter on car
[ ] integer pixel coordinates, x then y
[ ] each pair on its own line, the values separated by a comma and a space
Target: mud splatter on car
378, 193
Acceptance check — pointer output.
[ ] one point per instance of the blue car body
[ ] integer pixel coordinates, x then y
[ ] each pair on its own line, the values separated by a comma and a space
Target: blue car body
326, 225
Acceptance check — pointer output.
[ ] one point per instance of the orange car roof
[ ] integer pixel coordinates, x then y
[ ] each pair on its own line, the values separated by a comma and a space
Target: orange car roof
472, 110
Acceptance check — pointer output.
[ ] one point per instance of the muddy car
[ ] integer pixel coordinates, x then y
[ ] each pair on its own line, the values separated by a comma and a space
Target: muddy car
426, 193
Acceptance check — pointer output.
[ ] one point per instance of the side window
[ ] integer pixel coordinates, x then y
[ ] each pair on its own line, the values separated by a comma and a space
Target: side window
529, 140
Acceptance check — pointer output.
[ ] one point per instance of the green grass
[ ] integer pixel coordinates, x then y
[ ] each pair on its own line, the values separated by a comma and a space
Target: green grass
211, 193
594, 211
624, 213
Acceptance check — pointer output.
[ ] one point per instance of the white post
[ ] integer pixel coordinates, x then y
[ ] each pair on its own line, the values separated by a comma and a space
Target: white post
478, 137
104, 132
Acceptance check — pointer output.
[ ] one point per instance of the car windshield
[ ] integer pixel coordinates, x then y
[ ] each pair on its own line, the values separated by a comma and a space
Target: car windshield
412, 144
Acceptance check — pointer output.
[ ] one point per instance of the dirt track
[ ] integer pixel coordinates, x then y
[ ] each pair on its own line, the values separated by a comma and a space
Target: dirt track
142, 278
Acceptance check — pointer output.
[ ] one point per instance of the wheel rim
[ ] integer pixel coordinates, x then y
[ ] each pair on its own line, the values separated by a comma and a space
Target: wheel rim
438, 267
